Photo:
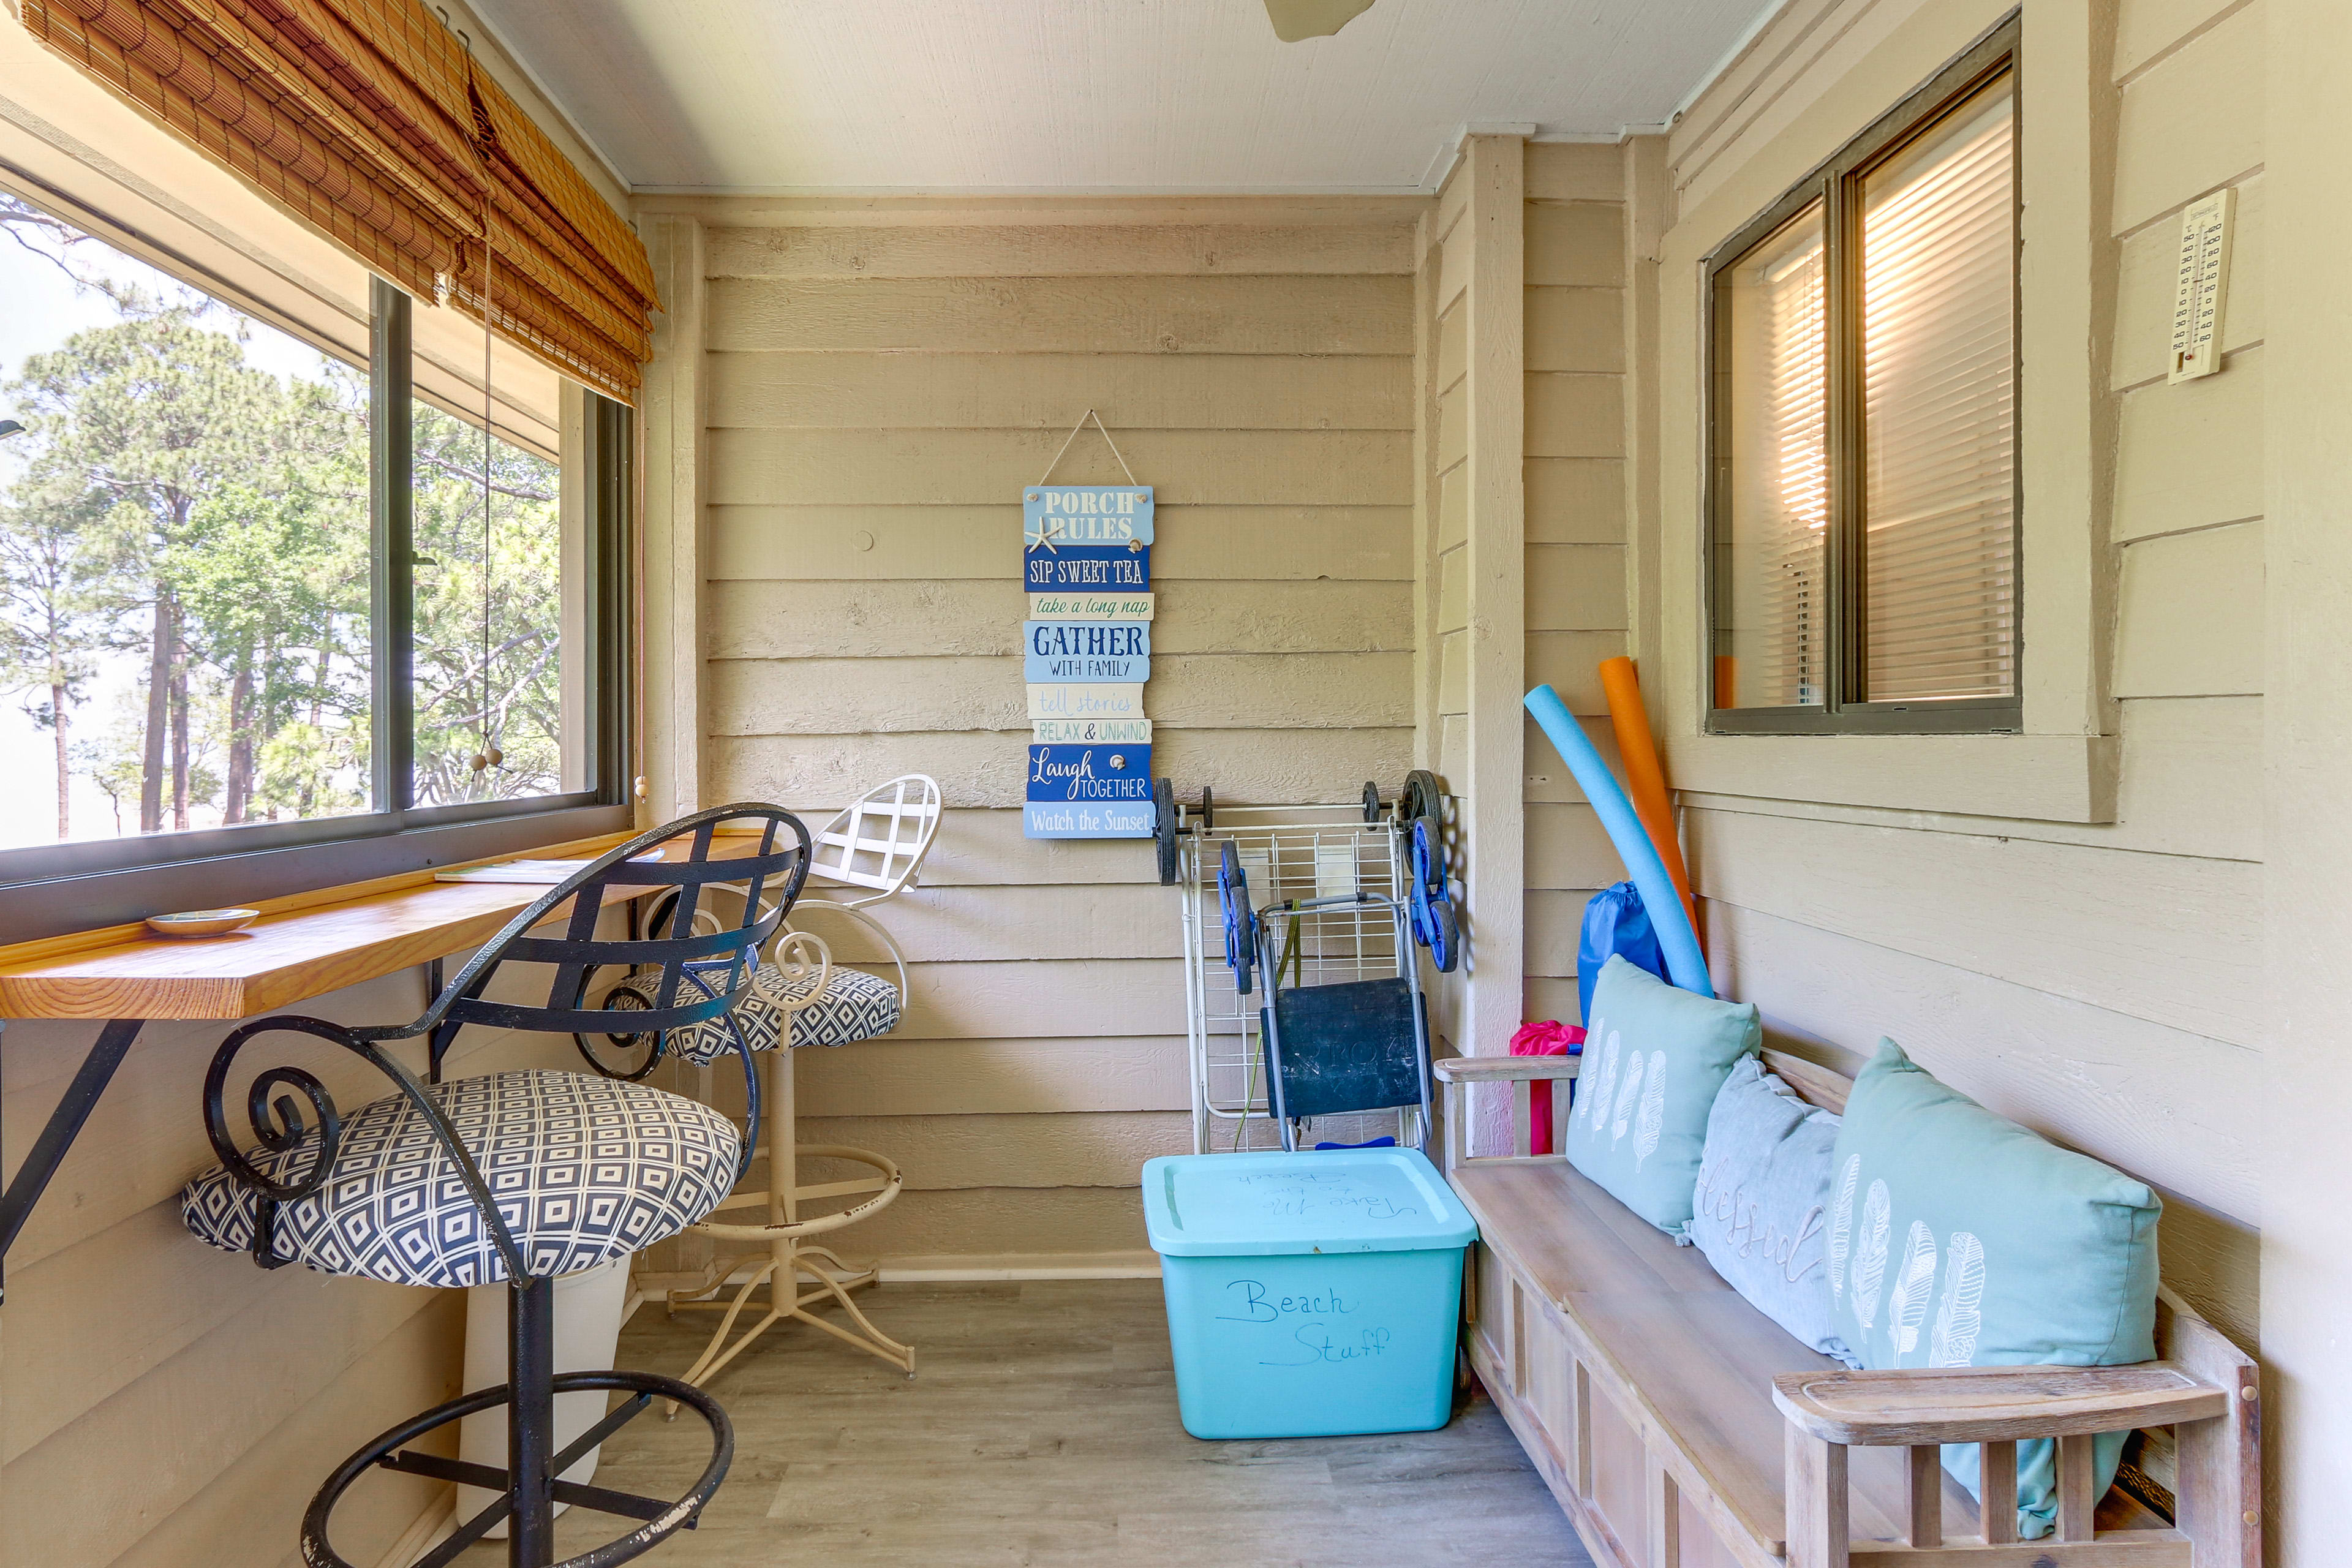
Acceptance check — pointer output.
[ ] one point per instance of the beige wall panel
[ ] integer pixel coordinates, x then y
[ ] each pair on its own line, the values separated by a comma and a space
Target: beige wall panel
1453, 426
1575, 501
1453, 591
2184, 766
963, 925
1453, 508
1075, 1149
1574, 172
63, 1502
987, 850
981, 1222
1452, 265
2192, 617
1454, 672
2215, 1262
1047, 998
2144, 293
2146, 28
1066, 315
999, 391
1060, 250
1576, 416
1569, 663
1452, 348
2164, 1103
927, 543
985, 768
2191, 121
882, 696
1579, 244
1548, 778
2190, 454
1745, 81
914, 618
2152, 936
258, 1501
895, 1076
1453, 750
1555, 920
1552, 997
968, 467
1576, 330
1567, 848
1576, 588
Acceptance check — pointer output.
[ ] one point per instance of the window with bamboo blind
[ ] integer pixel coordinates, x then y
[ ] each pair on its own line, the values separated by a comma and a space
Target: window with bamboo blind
1862, 556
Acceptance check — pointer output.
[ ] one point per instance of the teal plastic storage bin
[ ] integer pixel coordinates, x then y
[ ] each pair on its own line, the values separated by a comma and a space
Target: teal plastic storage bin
1309, 1295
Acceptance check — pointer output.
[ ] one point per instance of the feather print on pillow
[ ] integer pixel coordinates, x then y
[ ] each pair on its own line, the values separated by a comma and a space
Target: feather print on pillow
1649, 1121
1842, 1223
1906, 1303
1958, 1319
1870, 1255
1629, 1090
1606, 1080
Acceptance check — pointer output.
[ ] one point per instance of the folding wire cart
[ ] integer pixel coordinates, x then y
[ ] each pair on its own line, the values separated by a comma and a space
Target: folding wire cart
1294, 855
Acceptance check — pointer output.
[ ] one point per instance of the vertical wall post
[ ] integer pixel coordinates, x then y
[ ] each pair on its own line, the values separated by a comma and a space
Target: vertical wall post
1495, 817
671, 525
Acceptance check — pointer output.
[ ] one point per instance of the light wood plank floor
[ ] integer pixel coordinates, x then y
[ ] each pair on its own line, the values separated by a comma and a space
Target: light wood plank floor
1043, 1433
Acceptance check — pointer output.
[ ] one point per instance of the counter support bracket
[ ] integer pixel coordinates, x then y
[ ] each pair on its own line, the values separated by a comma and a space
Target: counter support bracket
65, 1124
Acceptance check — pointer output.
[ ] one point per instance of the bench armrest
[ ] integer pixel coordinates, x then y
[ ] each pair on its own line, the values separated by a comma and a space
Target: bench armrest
1906, 1407
1504, 1069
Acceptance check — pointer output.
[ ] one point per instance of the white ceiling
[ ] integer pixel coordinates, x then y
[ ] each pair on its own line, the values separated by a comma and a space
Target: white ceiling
1018, 96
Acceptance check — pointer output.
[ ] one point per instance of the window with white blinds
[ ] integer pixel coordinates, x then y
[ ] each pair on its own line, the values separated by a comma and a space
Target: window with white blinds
1939, 408
1863, 542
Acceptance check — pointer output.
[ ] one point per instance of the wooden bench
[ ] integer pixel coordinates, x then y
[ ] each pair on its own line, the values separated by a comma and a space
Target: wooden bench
1680, 1427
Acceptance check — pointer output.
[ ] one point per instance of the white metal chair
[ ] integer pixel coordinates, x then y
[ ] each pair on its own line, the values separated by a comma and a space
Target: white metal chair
874, 850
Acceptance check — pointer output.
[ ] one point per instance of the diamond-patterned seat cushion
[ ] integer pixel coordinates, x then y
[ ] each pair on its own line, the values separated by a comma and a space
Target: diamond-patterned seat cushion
583, 1168
855, 1005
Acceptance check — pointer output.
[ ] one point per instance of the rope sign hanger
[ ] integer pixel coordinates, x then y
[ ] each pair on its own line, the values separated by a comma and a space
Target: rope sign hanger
1073, 436
1049, 531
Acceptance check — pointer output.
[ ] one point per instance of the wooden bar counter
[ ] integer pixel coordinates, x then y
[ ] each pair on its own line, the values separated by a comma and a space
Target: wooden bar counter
304, 945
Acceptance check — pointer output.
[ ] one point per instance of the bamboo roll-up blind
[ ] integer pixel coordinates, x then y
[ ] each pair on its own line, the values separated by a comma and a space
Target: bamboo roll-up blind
371, 122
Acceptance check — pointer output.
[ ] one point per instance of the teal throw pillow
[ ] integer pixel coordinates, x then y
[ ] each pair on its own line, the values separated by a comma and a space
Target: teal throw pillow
1654, 1058
1959, 1238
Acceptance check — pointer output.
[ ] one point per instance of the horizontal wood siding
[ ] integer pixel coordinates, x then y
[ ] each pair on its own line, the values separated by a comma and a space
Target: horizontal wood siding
880, 393
2100, 983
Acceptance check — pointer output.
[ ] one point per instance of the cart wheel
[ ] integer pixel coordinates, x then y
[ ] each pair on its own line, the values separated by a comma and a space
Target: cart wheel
1208, 809
1163, 828
1419, 796
1444, 934
1241, 925
1371, 801
1428, 856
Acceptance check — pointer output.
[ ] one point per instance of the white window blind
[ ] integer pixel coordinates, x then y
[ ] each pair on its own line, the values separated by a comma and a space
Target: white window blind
1939, 409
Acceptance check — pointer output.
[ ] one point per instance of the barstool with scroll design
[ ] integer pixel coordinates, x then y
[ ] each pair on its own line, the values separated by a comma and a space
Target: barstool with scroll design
516, 1176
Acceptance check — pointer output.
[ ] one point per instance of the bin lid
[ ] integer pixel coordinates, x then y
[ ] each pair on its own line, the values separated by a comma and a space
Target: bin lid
1334, 1200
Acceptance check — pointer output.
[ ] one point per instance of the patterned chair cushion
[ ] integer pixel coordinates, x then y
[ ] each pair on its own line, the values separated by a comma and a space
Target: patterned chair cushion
856, 1006
583, 1168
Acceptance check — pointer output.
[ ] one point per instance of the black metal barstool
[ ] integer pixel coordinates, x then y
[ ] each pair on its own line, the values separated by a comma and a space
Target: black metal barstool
515, 1176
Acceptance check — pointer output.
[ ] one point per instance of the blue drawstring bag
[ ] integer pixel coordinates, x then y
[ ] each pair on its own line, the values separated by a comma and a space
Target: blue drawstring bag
1614, 921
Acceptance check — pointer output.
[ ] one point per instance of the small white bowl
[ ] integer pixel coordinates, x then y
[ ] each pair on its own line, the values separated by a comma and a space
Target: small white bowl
202, 923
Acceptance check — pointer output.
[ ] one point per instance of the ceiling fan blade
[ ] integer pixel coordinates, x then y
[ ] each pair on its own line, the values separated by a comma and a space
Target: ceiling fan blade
1297, 19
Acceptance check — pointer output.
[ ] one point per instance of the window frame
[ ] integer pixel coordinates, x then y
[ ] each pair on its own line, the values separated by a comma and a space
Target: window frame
1836, 184
53, 889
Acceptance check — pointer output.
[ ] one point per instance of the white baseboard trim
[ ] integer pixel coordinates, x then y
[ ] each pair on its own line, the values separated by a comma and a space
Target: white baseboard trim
433, 1526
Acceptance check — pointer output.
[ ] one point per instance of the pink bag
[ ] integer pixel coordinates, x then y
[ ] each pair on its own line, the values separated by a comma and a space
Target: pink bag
1548, 1039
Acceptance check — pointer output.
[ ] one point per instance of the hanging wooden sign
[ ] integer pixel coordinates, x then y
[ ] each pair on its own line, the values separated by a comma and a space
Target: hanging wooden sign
1088, 792
1086, 567
1071, 702
1108, 652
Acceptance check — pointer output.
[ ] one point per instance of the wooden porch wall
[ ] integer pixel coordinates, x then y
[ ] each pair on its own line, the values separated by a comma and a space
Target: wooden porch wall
2098, 981
879, 380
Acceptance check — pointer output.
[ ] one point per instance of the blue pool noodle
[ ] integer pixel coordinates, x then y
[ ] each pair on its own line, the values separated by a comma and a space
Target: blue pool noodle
1685, 965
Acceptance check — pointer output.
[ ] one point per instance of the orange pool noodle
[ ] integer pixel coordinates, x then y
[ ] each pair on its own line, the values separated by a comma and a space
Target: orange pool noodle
1645, 778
